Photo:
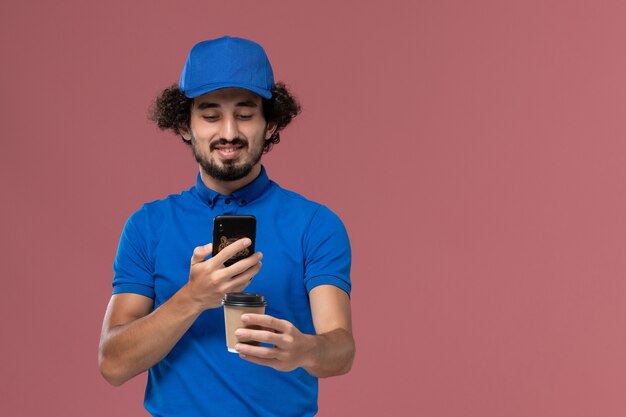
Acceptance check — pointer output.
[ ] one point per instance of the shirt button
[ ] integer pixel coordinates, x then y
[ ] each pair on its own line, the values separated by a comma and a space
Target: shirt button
243, 202
227, 201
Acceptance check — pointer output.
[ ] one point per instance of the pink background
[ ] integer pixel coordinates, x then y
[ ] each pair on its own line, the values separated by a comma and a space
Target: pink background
474, 149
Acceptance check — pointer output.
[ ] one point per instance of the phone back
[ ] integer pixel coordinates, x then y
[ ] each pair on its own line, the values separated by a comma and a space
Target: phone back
228, 229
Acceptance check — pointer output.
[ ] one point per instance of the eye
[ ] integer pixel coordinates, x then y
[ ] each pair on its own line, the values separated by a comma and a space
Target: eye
210, 117
245, 116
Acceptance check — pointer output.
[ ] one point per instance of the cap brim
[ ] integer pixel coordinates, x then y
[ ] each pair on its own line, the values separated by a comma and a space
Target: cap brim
197, 92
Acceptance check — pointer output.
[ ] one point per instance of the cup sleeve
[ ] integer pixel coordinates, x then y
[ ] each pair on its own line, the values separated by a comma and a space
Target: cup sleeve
133, 266
327, 252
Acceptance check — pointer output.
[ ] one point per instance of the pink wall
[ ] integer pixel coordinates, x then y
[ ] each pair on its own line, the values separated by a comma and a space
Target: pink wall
475, 151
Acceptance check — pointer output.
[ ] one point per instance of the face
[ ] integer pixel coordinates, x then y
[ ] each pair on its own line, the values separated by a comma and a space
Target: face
227, 132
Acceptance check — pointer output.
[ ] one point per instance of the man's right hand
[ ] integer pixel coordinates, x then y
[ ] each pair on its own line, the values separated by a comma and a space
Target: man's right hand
209, 279
135, 337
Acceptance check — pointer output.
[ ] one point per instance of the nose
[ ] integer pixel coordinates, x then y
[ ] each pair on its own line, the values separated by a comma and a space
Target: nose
230, 129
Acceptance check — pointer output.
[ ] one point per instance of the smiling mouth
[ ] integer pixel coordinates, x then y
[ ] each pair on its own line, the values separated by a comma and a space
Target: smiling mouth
228, 151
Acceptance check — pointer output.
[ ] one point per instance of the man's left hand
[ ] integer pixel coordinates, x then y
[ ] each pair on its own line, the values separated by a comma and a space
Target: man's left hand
292, 349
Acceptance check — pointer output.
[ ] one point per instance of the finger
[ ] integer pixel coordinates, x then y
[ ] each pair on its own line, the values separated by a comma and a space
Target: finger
256, 351
266, 321
262, 336
244, 264
272, 363
241, 281
232, 249
200, 253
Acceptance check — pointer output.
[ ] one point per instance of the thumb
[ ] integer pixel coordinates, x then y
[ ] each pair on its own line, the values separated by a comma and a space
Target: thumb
200, 253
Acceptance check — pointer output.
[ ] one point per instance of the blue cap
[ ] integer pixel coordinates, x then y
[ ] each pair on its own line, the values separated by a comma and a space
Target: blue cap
227, 62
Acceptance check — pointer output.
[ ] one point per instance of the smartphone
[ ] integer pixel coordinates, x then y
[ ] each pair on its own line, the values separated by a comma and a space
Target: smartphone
228, 229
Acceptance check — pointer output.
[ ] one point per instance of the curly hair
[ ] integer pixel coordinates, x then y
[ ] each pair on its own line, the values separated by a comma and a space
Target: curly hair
172, 110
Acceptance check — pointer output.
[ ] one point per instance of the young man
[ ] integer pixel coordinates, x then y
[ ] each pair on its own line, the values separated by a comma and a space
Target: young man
165, 314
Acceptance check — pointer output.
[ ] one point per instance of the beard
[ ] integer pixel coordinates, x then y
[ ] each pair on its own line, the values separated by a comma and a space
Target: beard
229, 169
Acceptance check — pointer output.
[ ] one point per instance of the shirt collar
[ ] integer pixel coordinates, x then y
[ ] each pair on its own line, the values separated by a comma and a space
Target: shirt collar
243, 195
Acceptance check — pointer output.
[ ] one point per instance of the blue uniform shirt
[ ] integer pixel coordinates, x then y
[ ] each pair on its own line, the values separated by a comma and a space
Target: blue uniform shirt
304, 245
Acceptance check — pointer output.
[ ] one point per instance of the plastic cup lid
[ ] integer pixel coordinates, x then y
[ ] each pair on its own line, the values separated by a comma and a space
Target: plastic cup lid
244, 299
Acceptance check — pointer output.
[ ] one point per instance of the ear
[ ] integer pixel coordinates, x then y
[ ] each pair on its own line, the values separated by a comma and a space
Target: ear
271, 128
185, 133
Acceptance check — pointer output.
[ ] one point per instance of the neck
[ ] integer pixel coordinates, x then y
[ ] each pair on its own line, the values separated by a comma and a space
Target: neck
228, 187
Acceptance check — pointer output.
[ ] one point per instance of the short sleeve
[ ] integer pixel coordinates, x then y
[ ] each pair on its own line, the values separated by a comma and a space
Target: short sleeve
327, 252
133, 265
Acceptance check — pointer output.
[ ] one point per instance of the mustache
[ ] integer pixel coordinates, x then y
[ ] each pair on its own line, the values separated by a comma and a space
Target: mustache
235, 142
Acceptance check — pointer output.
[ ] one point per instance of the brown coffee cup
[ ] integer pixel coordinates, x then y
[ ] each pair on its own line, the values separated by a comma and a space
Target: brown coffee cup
235, 305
